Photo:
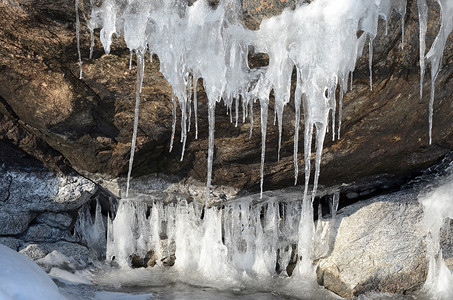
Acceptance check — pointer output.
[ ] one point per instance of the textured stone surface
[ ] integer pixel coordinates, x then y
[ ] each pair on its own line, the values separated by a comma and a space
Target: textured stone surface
58, 220
379, 246
11, 242
14, 222
79, 253
46, 233
47, 111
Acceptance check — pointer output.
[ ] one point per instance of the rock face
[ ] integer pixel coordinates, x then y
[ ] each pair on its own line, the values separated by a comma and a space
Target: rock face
40, 208
51, 114
38, 192
379, 246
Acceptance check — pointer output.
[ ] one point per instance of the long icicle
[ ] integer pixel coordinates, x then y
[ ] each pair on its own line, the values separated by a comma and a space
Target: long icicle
211, 121
423, 24
370, 61
173, 125
138, 88
340, 110
195, 105
78, 37
436, 52
297, 102
264, 112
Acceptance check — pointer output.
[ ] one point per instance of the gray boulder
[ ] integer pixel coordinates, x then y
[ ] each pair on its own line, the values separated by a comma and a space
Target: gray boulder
28, 192
379, 246
44, 190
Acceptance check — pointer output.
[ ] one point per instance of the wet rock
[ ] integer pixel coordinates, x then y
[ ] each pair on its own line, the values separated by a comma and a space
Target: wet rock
379, 246
47, 111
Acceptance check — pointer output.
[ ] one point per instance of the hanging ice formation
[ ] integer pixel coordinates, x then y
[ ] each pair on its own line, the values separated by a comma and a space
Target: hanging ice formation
436, 51
319, 40
200, 41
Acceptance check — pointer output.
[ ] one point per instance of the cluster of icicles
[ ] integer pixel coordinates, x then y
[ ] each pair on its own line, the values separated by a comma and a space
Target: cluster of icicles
318, 39
248, 237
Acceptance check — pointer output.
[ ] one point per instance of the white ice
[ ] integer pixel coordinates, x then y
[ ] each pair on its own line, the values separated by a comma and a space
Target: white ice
318, 40
437, 209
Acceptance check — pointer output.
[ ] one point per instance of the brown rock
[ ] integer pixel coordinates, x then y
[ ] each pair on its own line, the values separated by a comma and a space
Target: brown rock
47, 111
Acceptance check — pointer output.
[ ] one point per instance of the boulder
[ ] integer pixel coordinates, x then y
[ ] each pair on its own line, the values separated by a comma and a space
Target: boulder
47, 111
379, 245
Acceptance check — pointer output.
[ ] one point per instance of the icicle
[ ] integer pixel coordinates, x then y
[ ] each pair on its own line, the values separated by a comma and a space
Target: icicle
211, 120
334, 205
297, 102
333, 104
352, 73
183, 107
236, 102
78, 37
173, 126
402, 29
183, 128
264, 107
435, 53
251, 119
91, 32
189, 102
320, 135
195, 105
370, 62
130, 59
430, 112
340, 110
140, 71
279, 113
91, 43
423, 24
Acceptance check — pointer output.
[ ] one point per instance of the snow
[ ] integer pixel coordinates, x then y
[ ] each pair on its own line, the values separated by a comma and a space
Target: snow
22, 279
